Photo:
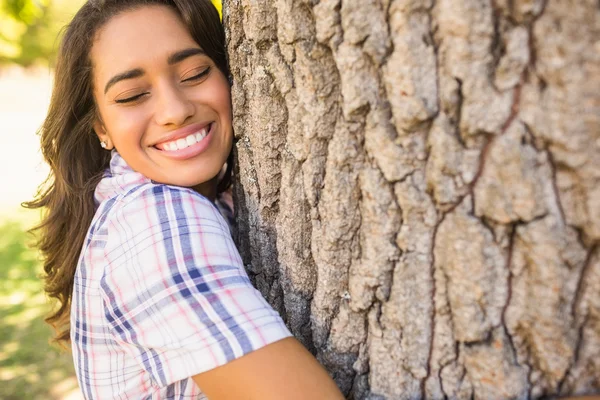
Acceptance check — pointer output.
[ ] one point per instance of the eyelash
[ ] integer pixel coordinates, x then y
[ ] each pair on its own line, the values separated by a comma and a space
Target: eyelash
198, 76
190, 79
130, 99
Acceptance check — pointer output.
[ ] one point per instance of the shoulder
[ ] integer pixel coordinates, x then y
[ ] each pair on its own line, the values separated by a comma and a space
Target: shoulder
151, 213
159, 191
163, 202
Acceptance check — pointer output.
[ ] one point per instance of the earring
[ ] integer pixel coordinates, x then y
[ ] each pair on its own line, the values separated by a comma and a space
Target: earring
103, 144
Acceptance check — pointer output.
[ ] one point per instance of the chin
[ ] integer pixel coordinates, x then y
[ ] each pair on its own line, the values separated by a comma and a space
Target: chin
191, 181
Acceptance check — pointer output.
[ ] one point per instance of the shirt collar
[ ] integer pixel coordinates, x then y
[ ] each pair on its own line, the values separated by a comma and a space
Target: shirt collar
117, 179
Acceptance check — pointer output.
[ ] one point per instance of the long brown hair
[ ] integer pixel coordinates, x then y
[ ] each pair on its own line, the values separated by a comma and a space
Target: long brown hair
72, 150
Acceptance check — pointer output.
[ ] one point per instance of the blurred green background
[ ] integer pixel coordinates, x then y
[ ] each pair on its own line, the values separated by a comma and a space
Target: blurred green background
29, 28
29, 367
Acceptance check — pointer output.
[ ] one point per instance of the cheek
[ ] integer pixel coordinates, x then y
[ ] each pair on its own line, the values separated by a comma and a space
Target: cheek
221, 96
224, 100
125, 125
226, 104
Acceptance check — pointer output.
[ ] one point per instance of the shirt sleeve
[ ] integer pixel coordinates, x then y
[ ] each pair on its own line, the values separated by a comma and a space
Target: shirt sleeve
175, 292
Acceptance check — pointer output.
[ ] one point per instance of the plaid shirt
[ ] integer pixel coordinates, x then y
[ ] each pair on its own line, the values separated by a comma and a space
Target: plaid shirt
160, 293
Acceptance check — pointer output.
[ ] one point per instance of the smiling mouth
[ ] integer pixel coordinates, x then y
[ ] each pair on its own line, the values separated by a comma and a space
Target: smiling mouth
185, 142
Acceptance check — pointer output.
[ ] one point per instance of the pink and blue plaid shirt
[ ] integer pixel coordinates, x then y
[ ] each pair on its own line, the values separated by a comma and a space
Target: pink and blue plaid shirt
160, 293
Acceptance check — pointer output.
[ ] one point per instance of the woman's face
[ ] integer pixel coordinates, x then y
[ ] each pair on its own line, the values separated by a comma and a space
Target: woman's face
163, 104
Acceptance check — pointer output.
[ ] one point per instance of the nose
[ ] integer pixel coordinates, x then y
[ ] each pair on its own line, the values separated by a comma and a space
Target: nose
173, 107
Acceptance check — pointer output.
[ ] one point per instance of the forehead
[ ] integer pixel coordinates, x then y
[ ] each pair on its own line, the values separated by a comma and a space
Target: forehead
138, 38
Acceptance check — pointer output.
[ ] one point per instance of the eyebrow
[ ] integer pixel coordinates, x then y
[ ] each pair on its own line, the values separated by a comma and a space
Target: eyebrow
136, 73
183, 54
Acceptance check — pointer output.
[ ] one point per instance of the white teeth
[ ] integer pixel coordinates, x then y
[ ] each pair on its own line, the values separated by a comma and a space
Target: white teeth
191, 140
183, 143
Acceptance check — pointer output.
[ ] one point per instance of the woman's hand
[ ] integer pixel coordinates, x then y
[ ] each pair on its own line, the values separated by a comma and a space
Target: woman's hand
281, 370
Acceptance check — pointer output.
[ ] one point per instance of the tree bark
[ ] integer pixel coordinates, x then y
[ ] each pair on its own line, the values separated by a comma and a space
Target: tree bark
418, 189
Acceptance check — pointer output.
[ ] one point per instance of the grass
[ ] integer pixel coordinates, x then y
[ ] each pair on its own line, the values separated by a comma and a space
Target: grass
29, 367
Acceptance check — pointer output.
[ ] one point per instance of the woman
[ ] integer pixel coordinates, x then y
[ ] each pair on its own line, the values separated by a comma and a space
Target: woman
138, 131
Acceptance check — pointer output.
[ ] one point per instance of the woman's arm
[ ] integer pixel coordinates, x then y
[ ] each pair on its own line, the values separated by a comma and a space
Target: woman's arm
281, 370
175, 292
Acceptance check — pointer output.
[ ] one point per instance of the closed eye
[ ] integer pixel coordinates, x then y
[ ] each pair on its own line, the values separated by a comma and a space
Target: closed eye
194, 78
198, 76
130, 99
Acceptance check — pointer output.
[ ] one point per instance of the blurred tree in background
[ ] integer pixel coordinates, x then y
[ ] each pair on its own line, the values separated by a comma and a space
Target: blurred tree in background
29, 29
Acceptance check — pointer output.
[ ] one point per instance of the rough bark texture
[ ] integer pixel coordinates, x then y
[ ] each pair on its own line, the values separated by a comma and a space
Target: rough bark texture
419, 189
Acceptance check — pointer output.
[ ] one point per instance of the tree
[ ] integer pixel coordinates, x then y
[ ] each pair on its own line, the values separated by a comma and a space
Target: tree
419, 189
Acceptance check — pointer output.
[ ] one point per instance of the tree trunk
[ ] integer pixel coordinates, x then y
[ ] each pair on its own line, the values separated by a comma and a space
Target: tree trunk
418, 189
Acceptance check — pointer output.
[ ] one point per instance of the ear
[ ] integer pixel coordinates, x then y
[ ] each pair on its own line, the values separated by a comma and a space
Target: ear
102, 134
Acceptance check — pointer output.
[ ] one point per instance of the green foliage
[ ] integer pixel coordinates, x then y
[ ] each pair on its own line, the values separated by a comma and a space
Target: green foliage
29, 29
25, 10
29, 367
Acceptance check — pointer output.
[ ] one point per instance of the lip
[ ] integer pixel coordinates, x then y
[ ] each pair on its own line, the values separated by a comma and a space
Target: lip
183, 132
191, 151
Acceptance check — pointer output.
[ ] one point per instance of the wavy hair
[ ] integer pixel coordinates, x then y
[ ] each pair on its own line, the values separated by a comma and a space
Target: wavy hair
71, 148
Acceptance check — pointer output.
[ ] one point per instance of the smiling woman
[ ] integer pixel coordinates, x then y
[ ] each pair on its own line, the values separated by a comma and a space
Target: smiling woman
157, 92
153, 295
